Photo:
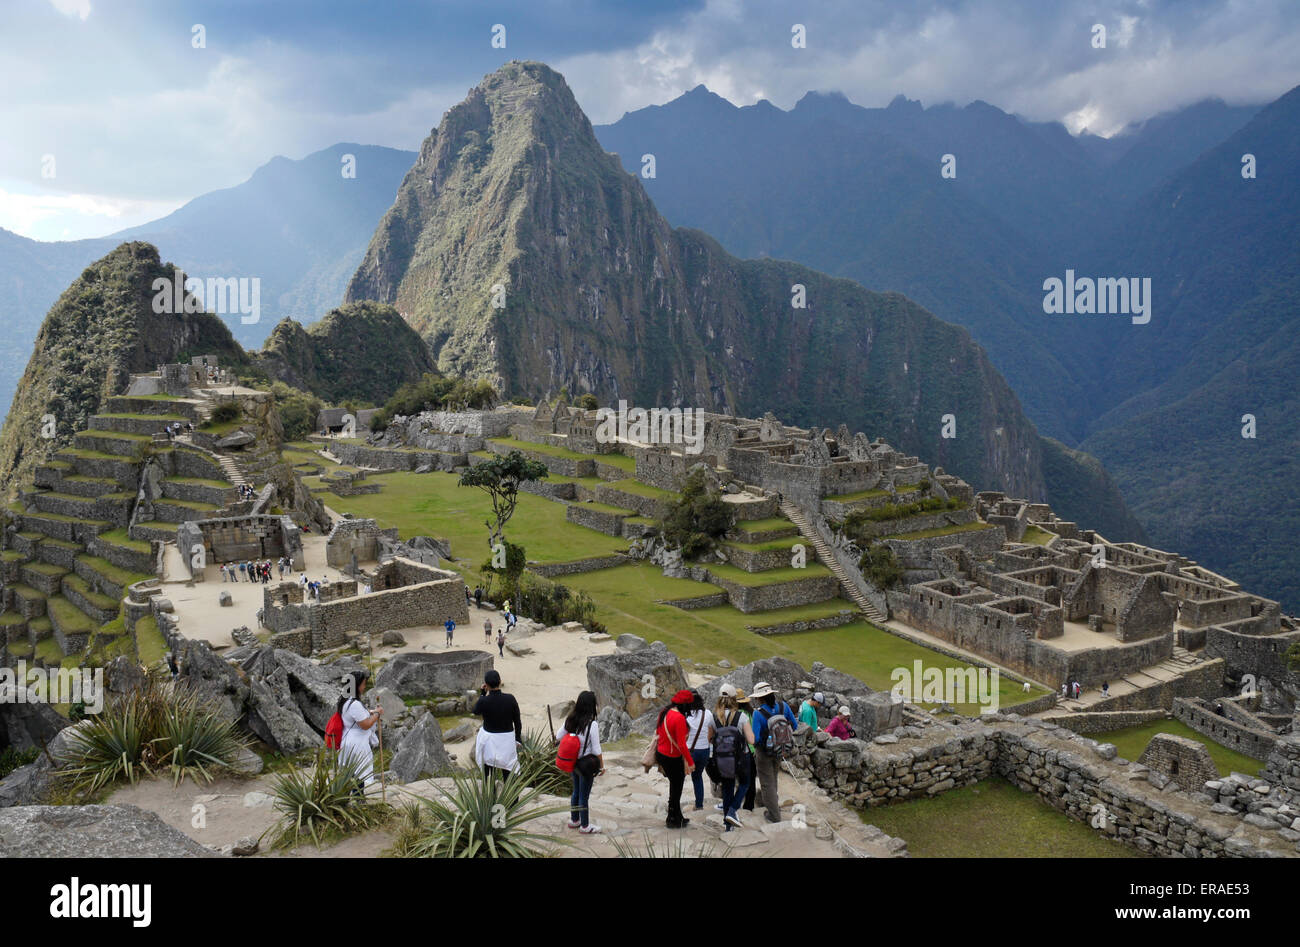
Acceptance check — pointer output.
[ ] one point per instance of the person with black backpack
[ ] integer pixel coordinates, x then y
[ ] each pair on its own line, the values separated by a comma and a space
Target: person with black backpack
579, 754
732, 738
774, 726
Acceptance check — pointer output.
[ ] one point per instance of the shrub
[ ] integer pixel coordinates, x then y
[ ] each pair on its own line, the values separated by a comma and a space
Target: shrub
587, 402
322, 801
479, 817
880, 567
226, 412
537, 762
697, 519
154, 727
298, 411
11, 759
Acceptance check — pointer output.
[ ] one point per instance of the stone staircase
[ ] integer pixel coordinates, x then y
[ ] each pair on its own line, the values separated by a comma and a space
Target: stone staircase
826, 556
1153, 675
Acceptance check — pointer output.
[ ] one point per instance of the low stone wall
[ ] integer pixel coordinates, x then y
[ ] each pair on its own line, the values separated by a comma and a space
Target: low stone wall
703, 601
1073, 774
981, 543
602, 521
762, 598
645, 506
551, 490
1203, 680
405, 606
752, 560
1244, 739
391, 458
1105, 721
844, 617
554, 570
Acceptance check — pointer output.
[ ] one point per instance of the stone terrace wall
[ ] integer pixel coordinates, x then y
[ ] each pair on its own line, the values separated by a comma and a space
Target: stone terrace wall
1244, 739
406, 606
1105, 721
1071, 773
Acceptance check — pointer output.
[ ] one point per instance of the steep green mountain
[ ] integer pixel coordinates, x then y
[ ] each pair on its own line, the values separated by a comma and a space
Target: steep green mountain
101, 329
512, 200
1223, 254
360, 351
299, 226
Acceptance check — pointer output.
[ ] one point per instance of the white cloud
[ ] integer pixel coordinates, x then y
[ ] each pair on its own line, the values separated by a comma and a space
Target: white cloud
77, 8
47, 216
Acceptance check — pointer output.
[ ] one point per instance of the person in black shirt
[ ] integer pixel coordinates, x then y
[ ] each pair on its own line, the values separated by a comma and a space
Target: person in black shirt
497, 745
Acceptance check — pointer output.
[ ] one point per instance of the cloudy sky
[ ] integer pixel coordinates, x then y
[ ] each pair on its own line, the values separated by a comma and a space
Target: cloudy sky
114, 113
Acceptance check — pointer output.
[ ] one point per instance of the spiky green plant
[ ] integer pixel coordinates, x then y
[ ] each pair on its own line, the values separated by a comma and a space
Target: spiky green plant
537, 761
479, 817
322, 801
676, 847
156, 725
195, 740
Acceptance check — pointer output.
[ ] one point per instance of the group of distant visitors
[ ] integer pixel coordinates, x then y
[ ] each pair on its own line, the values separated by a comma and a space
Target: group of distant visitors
176, 428
255, 571
246, 492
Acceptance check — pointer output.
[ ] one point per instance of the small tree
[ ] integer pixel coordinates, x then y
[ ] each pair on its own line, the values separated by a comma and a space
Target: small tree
500, 478
880, 567
698, 519
587, 402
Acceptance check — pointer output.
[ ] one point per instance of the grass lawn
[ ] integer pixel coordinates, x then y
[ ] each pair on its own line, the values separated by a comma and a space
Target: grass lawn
996, 820
1131, 741
433, 504
119, 537
1039, 537
637, 488
547, 449
625, 598
149, 641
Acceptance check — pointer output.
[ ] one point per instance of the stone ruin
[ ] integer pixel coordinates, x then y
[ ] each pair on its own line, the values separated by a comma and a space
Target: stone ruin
1186, 763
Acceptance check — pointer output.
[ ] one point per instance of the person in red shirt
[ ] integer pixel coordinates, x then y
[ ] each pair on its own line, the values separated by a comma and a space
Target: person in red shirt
676, 764
839, 727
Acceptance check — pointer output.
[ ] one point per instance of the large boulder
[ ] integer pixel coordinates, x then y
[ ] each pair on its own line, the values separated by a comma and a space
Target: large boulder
630, 642
635, 681
421, 753
26, 720
214, 678
278, 722
314, 688
92, 832
27, 785
434, 673
614, 724
873, 714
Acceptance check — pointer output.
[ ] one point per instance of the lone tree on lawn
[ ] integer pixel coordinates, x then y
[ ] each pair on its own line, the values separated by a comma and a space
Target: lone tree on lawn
500, 478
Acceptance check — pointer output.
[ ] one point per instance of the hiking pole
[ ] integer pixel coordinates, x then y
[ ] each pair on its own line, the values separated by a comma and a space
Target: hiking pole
383, 771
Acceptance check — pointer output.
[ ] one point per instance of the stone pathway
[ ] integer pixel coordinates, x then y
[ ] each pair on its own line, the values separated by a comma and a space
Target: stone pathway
629, 806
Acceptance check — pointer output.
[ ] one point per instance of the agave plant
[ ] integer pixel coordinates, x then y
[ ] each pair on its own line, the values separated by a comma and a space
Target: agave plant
537, 762
321, 800
193, 739
154, 726
479, 817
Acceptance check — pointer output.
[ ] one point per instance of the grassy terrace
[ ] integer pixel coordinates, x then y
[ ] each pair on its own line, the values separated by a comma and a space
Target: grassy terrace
1131, 741
201, 482
628, 597
1039, 537
122, 577
768, 577
769, 545
69, 617
144, 417
997, 821
614, 460
871, 494
637, 488
149, 640
939, 531
119, 537
433, 504
606, 508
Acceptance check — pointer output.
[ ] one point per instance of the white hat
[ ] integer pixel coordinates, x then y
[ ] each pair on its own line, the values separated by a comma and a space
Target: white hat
819, 697
727, 690
761, 689
845, 712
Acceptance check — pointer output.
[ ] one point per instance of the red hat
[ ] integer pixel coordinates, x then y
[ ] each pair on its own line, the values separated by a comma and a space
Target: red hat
683, 697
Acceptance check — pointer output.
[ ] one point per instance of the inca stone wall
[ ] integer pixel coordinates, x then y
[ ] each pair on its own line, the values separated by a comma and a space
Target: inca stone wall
1251, 741
1085, 780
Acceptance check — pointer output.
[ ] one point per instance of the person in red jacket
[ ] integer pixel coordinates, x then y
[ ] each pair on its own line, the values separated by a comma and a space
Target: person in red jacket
673, 760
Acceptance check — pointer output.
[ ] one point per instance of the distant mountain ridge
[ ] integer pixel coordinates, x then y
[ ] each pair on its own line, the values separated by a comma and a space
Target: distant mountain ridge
522, 253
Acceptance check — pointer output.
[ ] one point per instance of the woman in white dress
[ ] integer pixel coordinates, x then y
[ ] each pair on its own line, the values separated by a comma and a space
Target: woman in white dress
360, 728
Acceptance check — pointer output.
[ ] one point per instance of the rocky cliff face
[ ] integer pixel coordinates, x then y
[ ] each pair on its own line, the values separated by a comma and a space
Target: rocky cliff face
102, 329
363, 351
522, 252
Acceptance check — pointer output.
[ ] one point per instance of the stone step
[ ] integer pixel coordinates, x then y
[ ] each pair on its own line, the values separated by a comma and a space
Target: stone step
28, 602
72, 626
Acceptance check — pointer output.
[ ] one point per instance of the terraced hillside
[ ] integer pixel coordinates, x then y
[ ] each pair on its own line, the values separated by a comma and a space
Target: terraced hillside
576, 526
85, 530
